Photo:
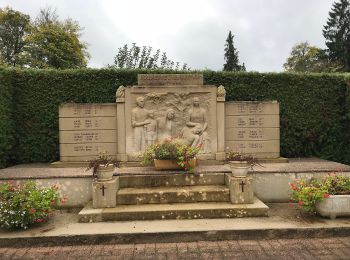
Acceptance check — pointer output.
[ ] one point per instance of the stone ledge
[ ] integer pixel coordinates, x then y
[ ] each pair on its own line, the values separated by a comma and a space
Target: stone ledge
295, 166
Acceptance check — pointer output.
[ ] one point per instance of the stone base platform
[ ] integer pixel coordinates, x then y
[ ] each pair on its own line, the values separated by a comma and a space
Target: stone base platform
174, 211
270, 181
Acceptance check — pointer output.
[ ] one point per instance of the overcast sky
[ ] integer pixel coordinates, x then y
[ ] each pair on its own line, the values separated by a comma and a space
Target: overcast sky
193, 31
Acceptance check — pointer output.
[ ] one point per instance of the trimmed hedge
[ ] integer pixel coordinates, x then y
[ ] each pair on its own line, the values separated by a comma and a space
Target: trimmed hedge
314, 108
6, 117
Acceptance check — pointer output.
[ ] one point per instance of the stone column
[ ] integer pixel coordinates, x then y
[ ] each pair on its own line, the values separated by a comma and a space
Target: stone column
220, 121
104, 193
121, 146
241, 189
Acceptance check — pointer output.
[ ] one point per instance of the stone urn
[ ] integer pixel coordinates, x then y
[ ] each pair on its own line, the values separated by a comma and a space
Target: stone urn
162, 165
334, 206
239, 168
104, 172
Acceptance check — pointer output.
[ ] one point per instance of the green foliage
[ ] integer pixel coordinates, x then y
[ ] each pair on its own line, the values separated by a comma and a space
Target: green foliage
308, 193
14, 26
55, 44
314, 108
170, 149
337, 33
45, 43
22, 206
6, 117
136, 57
231, 56
307, 58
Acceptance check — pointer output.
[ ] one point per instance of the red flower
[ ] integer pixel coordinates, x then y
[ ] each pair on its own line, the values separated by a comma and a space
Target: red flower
39, 220
32, 210
326, 195
301, 203
63, 200
293, 186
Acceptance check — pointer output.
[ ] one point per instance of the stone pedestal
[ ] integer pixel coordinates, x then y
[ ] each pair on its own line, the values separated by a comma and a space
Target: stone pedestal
104, 194
241, 189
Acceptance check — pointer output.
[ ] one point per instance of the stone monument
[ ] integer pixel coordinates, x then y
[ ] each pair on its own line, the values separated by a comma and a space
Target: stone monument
169, 106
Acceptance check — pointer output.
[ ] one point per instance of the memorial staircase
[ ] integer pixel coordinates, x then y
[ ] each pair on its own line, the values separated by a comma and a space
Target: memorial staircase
172, 195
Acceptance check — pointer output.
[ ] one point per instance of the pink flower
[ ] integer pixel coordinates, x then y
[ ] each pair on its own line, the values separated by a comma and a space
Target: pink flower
326, 195
39, 220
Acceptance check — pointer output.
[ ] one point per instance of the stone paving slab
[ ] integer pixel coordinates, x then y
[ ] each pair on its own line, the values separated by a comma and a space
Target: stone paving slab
44, 171
304, 248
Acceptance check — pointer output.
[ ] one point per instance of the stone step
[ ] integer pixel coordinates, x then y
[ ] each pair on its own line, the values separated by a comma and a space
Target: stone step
171, 179
200, 210
177, 194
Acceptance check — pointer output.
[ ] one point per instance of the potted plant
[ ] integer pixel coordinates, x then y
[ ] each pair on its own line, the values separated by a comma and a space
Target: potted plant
240, 163
102, 166
171, 154
329, 196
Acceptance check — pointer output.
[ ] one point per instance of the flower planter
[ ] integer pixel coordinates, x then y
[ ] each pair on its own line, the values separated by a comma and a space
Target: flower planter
171, 164
239, 168
334, 206
105, 172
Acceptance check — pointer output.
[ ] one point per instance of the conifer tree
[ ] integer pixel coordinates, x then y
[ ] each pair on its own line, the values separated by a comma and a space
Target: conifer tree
337, 33
231, 56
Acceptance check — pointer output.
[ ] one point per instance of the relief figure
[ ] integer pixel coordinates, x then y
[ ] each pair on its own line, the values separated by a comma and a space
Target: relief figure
198, 120
166, 125
139, 117
151, 128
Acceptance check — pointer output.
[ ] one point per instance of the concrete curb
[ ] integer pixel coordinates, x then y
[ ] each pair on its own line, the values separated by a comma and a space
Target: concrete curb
174, 237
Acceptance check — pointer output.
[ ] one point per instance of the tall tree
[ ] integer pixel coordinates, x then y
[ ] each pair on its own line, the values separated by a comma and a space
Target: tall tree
231, 56
55, 44
307, 58
14, 26
337, 33
137, 57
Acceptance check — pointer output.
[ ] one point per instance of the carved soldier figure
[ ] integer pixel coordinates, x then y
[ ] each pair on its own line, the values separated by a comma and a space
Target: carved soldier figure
138, 121
198, 119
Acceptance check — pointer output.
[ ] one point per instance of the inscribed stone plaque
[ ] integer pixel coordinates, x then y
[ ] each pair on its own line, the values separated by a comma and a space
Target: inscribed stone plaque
253, 128
169, 79
86, 130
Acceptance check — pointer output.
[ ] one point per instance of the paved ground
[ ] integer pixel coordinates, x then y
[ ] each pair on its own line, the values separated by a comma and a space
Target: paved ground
330, 248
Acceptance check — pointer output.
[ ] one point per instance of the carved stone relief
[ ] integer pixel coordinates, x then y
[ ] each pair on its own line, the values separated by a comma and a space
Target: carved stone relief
157, 116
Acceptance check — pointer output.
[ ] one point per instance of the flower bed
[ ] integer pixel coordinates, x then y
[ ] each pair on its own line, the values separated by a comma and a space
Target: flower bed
22, 206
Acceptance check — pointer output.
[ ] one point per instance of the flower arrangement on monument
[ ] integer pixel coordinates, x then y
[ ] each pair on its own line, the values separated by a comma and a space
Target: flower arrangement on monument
308, 193
171, 149
240, 163
24, 205
102, 166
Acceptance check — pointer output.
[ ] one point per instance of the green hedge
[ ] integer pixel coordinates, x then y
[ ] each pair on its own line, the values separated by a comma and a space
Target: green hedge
6, 117
314, 107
